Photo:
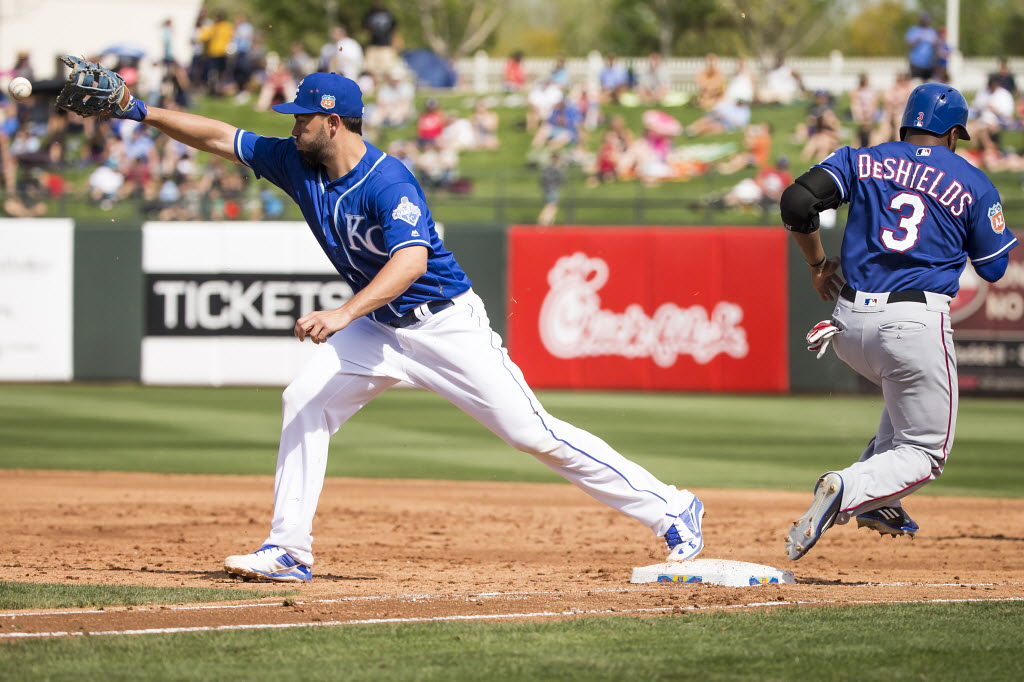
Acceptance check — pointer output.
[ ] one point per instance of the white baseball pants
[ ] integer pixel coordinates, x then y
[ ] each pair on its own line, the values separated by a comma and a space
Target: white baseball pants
907, 349
456, 354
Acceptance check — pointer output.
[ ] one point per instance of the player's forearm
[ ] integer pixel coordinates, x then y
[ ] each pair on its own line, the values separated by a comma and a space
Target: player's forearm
811, 247
198, 132
404, 268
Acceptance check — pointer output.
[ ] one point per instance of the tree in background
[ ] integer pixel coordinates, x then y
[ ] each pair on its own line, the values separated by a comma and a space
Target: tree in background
455, 28
989, 28
636, 27
544, 28
667, 26
280, 24
448, 27
786, 27
877, 30
992, 27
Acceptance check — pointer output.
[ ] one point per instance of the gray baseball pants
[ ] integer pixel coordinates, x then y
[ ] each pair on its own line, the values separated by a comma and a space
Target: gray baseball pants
906, 348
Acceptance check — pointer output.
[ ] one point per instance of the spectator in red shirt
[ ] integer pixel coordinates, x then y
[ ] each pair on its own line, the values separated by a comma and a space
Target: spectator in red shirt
515, 78
430, 124
774, 180
762, 191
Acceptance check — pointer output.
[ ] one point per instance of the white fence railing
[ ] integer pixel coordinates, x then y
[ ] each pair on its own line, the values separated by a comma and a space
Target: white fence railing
835, 73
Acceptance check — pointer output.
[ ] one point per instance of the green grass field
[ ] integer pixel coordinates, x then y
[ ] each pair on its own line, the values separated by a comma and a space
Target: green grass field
901, 642
720, 441
694, 440
52, 596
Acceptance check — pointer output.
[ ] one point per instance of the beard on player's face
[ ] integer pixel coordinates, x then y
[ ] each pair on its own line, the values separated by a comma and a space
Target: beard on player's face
314, 148
312, 139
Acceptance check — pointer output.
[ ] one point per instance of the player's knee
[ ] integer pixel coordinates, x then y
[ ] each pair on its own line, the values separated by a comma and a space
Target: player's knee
537, 442
295, 397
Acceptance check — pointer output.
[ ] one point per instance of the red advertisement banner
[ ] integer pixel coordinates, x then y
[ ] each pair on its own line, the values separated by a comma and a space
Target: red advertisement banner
696, 309
988, 319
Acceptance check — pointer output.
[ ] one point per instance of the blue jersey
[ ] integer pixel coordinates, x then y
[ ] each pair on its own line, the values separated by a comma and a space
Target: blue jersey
916, 215
362, 218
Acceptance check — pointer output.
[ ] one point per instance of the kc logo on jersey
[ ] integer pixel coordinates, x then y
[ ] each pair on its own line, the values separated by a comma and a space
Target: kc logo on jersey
995, 216
327, 102
407, 211
371, 239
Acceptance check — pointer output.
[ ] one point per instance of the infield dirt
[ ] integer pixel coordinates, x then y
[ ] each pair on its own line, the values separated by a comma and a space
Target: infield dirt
408, 549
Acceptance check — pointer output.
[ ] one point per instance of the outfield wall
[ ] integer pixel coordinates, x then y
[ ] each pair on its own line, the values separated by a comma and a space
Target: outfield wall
632, 308
36, 316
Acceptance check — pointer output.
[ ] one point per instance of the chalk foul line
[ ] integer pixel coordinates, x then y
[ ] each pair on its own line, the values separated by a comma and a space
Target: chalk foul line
473, 617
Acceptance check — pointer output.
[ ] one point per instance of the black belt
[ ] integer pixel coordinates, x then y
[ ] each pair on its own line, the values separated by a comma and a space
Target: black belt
411, 318
913, 296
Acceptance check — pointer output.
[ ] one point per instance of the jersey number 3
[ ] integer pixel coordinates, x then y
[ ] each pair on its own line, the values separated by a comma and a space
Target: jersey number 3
909, 224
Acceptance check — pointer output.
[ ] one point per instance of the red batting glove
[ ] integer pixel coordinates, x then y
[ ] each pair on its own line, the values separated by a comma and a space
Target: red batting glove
820, 336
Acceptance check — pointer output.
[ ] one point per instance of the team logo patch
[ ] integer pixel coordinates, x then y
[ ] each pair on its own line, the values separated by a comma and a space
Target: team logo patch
407, 211
995, 216
327, 102
924, 151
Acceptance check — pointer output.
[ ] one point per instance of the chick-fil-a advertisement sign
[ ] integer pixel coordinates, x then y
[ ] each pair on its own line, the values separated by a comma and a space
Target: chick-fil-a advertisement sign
700, 309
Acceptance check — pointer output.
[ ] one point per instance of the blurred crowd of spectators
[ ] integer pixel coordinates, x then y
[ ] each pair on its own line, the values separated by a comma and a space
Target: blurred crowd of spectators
562, 116
44, 150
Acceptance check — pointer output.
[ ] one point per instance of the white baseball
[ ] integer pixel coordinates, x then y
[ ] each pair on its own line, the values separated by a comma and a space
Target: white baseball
20, 88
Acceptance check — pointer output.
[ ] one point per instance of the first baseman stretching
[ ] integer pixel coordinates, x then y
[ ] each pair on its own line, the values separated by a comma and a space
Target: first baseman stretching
917, 213
413, 318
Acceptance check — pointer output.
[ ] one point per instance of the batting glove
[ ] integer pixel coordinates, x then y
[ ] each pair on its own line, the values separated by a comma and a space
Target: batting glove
820, 336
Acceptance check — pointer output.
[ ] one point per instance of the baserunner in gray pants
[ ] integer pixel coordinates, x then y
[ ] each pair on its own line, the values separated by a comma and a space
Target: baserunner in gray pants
917, 213
906, 348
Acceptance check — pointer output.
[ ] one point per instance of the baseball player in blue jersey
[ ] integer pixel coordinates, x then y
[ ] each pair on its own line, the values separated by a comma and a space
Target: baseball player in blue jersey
917, 213
413, 318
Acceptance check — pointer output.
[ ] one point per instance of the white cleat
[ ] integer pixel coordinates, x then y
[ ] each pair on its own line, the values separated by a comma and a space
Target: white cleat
269, 562
828, 497
684, 537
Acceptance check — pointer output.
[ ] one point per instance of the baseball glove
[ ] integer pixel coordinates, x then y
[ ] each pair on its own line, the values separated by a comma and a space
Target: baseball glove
92, 90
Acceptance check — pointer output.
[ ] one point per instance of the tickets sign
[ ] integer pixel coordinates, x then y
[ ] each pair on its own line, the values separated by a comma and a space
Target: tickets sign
649, 308
222, 299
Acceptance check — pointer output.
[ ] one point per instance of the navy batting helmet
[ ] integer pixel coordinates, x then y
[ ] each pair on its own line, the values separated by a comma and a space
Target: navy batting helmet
936, 108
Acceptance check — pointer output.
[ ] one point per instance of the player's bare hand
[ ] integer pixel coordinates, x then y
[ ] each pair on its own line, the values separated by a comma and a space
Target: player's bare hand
826, 280
320, 324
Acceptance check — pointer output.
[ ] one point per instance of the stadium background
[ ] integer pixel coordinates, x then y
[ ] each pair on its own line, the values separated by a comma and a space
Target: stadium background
72, 401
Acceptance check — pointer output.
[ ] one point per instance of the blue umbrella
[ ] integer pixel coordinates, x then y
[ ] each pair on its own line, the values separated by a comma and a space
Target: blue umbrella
125, 50
431, 69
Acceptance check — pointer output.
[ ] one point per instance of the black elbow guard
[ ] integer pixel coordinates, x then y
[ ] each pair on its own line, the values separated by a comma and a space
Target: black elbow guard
811, 193
797, 214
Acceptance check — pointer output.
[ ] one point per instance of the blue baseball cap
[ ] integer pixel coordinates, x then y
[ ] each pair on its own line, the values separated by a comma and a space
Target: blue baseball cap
325, 93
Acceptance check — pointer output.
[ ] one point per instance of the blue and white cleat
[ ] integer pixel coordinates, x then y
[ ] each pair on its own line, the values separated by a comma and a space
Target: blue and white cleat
888, 521
828, 497
684, 537
269, 562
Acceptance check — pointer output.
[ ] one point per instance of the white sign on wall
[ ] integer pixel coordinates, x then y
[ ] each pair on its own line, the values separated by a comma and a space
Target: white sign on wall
36, 311
222, 298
